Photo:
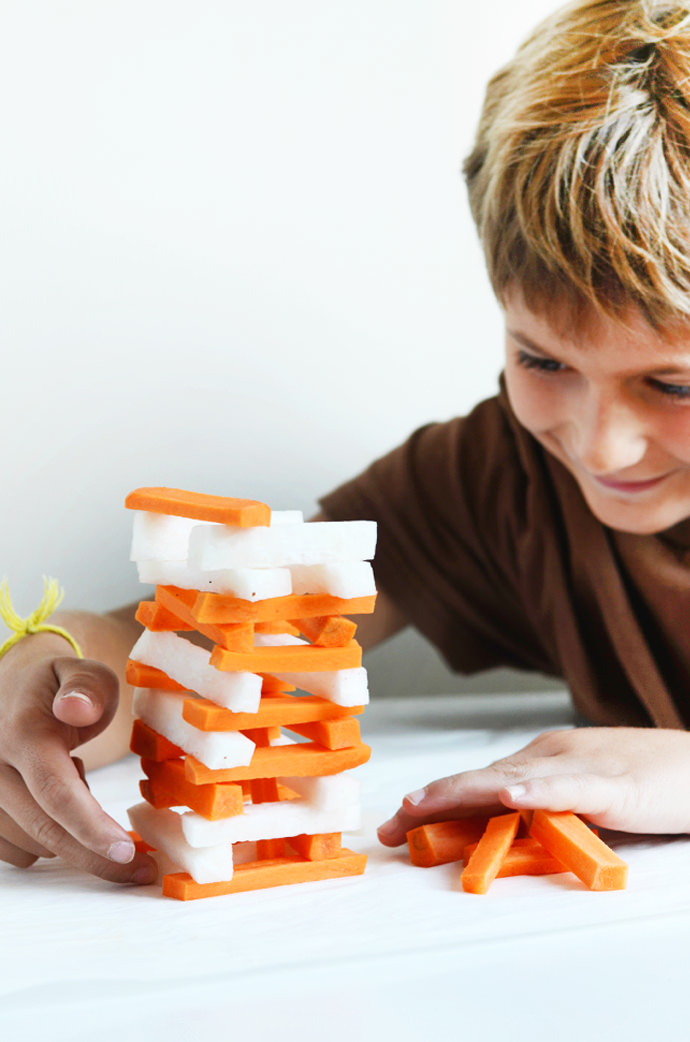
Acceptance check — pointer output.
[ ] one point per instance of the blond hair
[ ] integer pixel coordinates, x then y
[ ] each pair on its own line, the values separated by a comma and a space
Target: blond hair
579, 181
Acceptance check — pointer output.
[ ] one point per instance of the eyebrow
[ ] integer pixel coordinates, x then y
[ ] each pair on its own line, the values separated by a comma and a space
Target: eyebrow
526, 342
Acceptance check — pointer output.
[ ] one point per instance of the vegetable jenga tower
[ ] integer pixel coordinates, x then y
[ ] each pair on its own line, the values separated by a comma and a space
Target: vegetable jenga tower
264, 774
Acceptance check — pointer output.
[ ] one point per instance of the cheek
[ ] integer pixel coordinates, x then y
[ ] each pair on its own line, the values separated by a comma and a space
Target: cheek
672, 434
534, 400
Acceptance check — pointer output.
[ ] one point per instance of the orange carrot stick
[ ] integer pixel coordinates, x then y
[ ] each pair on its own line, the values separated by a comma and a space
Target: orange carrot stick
318, 847
272, 686
444, 841
276, 626
147, 742
140, 675
156, 796
158, 619
218, 607
301, 760
328, 631
333, 734
526, 857
210, 801
569, 840
269, 849
259, 875
288, 658
247, 513
274, 710
485, 863
235, 636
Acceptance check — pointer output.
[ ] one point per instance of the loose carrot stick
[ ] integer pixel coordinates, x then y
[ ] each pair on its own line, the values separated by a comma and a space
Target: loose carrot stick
526, 857
288, 658
444, 841
218, 607
301, 760
485, 863
274, 710
158, 619
259, 875
140, 675
328, 631
333, 734
147, 742
568, 839
319, 847
247, 513
235, 636
211, 801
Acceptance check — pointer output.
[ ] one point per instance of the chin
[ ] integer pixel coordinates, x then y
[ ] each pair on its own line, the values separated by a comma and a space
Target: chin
632, 519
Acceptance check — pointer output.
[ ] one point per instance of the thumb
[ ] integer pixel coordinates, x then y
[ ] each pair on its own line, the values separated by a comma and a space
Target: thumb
87, 694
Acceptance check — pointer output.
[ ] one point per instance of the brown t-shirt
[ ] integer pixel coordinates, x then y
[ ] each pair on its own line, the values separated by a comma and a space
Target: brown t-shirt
487, 545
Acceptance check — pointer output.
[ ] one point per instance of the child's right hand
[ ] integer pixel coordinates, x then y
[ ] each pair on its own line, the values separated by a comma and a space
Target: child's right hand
51, 702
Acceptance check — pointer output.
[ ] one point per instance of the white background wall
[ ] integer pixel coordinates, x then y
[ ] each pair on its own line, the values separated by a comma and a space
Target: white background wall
235, 255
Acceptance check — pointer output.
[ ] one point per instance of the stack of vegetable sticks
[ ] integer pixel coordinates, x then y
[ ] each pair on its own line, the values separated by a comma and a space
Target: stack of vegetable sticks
248, 683
492, 848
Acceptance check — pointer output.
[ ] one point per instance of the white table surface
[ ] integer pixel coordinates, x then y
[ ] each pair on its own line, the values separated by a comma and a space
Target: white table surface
400, 952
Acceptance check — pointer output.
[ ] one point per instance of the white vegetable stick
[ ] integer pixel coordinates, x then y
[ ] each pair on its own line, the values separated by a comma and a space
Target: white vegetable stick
269, 821
219, 546
161, 537
286, 517
162, 710
329, 792
344, 687
251, 584
190, 666
348, 579
162, 829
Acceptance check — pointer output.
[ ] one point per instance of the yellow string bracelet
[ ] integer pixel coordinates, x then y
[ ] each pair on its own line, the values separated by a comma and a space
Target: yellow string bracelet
34, 623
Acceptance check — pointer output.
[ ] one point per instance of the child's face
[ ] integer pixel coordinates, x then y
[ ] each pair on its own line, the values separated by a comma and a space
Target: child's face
612, 403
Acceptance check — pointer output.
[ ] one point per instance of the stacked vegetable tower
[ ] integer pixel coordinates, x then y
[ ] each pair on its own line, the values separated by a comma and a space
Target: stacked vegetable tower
260, 776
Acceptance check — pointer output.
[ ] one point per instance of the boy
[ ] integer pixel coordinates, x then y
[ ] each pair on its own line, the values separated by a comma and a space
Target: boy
549, 529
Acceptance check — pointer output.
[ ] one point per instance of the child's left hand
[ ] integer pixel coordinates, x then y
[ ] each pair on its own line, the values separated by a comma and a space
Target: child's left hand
626, 778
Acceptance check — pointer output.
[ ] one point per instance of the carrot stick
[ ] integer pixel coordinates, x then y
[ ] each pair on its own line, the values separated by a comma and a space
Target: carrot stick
328, 631
274, 710
444, 841
158, 619
273, 686
269, 849
259, 875
288, 658
317, 848
276, 626
218, 607
147, 742
301, 760
156, 796
485, 863
235, 636
140, 675
569, 840
140, 845
210, 801
261, 736
334, 734
247, 513
264, 790
526, 857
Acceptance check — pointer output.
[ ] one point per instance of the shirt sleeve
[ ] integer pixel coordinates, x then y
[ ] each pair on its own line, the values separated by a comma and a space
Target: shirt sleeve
449, 505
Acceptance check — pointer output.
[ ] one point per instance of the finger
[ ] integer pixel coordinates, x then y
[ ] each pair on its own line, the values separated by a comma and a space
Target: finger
592, 795
18, 837
13, 855
394, 831
51, 803
87, 695
50, 835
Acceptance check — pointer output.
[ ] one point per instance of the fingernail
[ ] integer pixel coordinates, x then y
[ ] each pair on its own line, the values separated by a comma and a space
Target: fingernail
78, 695
146, 874
516, 792
121, 851
416, 797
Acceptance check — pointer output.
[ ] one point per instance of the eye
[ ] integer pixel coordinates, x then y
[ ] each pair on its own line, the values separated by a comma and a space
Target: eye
539, 362
678, 391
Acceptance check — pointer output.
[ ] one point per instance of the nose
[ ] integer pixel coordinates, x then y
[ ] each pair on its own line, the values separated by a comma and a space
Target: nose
609, 435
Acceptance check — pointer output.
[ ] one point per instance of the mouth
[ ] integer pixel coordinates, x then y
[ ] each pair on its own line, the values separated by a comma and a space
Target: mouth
628, 487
